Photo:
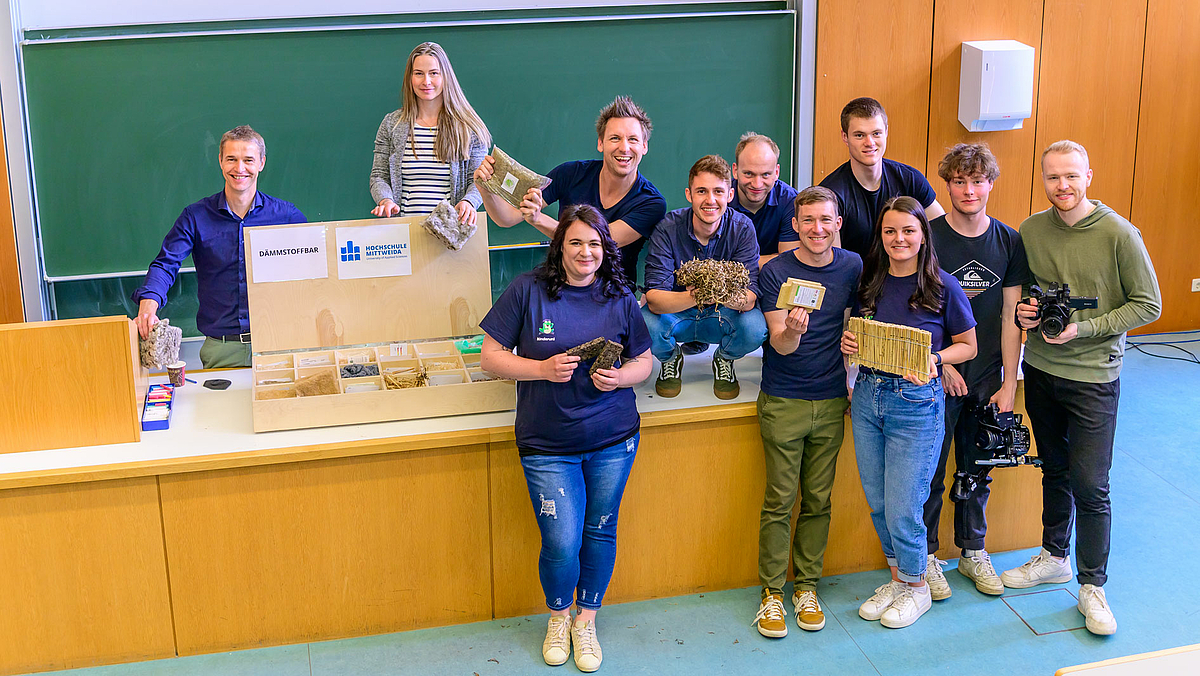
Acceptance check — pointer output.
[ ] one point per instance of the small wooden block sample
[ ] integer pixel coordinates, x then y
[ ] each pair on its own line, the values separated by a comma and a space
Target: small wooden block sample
800, 293
890, 347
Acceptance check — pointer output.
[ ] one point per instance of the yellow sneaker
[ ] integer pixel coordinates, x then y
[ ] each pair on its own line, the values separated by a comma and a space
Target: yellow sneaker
769, 619
809, 615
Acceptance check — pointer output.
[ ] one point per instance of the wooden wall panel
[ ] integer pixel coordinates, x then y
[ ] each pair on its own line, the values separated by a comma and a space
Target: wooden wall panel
84, 577
322, 550
1168, 157
955, 22
92, 395
11, 307
1090, 92
873, 48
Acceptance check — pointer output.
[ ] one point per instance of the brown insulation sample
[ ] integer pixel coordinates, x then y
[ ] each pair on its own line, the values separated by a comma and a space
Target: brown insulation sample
890, 347
445, 227
715, 282
317, 384
588, 350
510, 180
607, 357
285, 393
161, 347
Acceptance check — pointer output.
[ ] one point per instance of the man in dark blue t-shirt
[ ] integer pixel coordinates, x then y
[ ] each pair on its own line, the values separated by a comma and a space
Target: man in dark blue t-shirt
866, 181
211, 231
707, 230
988, 259
801, 409
631, 204
759, 193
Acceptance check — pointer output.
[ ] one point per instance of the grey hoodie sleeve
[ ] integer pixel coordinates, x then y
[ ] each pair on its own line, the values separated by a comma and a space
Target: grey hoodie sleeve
1143, 302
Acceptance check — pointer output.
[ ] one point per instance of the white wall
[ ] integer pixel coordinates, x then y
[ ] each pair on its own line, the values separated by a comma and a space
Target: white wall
42, 14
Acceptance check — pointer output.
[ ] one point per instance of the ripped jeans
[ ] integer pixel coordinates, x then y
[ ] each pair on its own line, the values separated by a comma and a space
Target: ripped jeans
576, 499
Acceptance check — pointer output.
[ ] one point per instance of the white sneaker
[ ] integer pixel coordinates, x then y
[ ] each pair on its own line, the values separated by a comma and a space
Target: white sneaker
872, 608
1097, 615
979, 569
908, 607
1041, 569
557, 646
587, 646
939, 588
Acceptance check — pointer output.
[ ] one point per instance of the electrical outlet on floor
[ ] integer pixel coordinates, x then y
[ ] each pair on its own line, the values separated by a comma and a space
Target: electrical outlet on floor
1196, 285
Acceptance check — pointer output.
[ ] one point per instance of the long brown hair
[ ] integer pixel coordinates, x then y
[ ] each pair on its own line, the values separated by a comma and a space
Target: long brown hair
457, 120
875, 268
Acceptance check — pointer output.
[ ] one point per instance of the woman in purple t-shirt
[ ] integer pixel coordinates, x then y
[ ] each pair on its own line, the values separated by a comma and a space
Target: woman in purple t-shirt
577, 433
898, 418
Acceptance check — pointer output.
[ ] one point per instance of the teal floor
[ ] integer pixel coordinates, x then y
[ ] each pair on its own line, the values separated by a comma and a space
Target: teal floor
1156, 541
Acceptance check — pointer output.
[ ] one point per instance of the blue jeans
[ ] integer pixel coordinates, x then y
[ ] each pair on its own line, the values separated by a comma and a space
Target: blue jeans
898, 429
576, 499
736, 334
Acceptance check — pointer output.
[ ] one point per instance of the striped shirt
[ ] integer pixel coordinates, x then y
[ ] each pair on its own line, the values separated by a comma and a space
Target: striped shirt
426, 180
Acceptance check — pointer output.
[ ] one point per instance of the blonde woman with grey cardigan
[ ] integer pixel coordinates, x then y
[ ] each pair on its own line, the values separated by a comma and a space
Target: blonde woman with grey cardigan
428, 150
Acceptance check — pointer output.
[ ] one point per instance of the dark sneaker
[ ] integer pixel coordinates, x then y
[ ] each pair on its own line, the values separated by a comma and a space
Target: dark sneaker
669, 382
693, 347
725, 382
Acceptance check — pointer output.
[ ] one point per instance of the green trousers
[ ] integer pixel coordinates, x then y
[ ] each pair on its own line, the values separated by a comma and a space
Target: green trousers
801, 440
215, 354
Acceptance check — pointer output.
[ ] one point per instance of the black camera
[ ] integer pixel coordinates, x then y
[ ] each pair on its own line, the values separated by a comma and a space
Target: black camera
1055, 306
1002, 441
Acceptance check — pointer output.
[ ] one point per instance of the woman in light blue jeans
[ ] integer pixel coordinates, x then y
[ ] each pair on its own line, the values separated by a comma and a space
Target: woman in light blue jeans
898, 416
577, 431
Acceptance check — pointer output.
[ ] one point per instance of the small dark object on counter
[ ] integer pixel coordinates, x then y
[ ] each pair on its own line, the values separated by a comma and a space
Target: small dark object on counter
359, 370
217, 384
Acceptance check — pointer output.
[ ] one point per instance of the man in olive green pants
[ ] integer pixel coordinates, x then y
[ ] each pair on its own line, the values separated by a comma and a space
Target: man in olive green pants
801, 410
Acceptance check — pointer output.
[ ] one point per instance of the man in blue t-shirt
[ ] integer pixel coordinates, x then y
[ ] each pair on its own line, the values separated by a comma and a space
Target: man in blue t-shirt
631, 204
801, 409
707, 230
988, 259
211, 232
866, 181
759, 193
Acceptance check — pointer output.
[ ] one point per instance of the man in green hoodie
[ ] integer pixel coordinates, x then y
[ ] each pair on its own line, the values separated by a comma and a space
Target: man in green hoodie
1071, 380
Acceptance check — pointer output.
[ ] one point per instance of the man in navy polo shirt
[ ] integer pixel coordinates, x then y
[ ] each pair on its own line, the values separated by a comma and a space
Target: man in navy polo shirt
866, 181
210, 231
761, 195
801, 410
631, 204
706, 230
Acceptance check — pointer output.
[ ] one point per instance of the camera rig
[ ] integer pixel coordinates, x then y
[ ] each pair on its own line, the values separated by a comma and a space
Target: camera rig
1055, 306
1002, 441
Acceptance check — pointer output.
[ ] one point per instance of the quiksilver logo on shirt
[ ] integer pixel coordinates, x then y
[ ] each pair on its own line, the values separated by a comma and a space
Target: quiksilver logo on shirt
975, 278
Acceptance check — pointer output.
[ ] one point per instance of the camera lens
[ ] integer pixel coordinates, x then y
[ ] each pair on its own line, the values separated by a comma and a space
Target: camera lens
1052, 326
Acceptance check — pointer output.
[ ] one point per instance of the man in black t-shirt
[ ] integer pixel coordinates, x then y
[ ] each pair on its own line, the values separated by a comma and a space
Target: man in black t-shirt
866, 181
988, 259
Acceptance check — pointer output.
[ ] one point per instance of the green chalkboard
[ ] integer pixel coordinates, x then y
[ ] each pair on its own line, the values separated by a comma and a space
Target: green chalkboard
124, 132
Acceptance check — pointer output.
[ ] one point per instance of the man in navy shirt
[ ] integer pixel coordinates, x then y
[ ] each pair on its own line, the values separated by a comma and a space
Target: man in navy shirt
211, 232
801, 409
631, 204
762, 196
866, 181
706, 230
988, 259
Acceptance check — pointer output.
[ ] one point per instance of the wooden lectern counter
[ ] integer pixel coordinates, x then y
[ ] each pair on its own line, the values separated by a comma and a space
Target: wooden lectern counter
208, 537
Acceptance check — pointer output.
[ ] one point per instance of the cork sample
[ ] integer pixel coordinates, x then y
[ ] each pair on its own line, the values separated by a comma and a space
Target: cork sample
715, 282
602, 351
510, 180
890, 347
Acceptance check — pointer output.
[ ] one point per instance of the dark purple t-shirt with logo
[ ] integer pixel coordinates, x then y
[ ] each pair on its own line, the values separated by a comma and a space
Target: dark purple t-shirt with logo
983, 266
571, 417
